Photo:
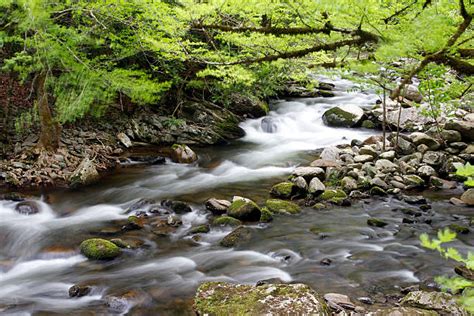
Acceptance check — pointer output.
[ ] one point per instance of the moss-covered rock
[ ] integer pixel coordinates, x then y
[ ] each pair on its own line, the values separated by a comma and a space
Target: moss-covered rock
333, 195
182, 154
284, 190
443, 303
267, 215
282, 207
99, 249
201, 229
226, 221
376, 222
377, 191
368, 124
238, 235
245, 210
220, 298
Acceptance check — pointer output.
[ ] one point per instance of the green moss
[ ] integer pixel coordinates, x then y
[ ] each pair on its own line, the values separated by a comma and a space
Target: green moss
245, 210
377, 191
319, 206
267, 215
331, 195
283, 190
368, 124
176, 146
99, 249
238, 235
226, 221
264, 106
376, 222
201, 229
280, 206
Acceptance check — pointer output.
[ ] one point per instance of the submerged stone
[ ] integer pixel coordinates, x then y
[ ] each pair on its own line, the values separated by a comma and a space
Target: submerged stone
221, 298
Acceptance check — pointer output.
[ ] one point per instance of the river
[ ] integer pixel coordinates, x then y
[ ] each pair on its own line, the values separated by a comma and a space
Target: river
40, 261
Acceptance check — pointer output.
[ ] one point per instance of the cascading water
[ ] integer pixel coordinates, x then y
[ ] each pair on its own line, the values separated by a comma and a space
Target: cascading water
39, 257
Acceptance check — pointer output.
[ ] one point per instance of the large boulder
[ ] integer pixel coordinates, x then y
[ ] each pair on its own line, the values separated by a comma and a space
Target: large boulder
422, 138
182, 154
86, 173
466, 128
282, 207
443, 303
99, 249
343, 116
468, 197
221, 298
244, 209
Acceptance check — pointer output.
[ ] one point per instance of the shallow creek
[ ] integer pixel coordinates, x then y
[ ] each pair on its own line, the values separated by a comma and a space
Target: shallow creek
39, 258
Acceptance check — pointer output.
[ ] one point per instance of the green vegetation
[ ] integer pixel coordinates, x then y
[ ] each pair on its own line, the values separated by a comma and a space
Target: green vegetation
456, 284
466, 171
81, 57
99, 249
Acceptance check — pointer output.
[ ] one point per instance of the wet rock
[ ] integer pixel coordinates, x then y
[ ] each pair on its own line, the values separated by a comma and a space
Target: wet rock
433, 158
426, 171
457, 202
301, 184
309, 173
85, 174
78, 290
468, 197
423, 139
436, 301
316, 187
268, 125
99, 249
201, 229
282, 207
220, 298
325, 262
465, 272
358, 195
366, 300
135, 222
451, 136
269, 281
379, 183
267, 215
177, 206
368, 124
149, 160
174, 220
458, 146
459, 229
339, 302
244, 209
239, 235
348, 184
124, 140
217, 207
466, 128
330, 154
284, 190
140, 205
323, 163
414, 199
377, 191
333, 195
226, 221
343, 116
413, 181
376, 222
27, 208
403, 311
182, 154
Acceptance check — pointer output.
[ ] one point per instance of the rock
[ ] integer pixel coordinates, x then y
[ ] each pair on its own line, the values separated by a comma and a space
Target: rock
238, 235
389, 155
123, 138
414, 199
99, 249
403, 311
379, 183
433, 158
363, 158
201, 229
377, 191
368, 124
376, 222
217, 207
451, 136
309, 173
135, 222
398, 185
78, 290
422, 148
330, 154
466, 128
423, 139
267, 215
385, 166
412, 93
368, 150
413, 181
27, 208
339, 302
268, 125
149, 160
284, 190
300, 183
457, 202
174, 220
226, 221
348, 184
403, 146
333, 195
372, 140
177, 206
282, 207
426, 171
85, 174
458, 145
323, 163
182, 154
269, 281
343, 116
436, 301
465, 272
221, 298
468, 197
316, 187
459, 229
245, 210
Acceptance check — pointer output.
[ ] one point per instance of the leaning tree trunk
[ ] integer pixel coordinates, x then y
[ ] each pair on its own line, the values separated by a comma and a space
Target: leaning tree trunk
50, 130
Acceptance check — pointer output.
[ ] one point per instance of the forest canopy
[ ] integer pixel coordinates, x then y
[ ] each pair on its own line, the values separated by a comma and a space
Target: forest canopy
81, 56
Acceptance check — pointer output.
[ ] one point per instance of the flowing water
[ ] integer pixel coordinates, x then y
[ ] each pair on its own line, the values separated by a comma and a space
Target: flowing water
40, 261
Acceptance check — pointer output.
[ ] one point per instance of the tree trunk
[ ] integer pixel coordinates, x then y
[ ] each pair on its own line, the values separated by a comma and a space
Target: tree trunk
50, 130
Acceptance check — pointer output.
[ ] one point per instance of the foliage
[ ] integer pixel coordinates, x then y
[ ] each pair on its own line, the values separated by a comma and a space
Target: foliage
455, 284
466, 171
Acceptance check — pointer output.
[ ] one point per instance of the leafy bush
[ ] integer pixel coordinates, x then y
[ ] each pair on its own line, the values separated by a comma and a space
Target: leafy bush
455, 284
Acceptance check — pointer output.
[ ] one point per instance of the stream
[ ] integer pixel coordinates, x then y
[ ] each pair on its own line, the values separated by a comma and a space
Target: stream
40, 261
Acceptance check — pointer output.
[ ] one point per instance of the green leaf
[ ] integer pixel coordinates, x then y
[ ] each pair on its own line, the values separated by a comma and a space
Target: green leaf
465, 171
